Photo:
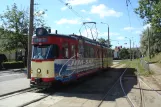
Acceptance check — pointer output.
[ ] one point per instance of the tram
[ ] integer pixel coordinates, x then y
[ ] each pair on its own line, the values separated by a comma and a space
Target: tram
64, 58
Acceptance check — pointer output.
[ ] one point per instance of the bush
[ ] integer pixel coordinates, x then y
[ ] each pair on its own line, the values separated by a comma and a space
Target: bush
13, 64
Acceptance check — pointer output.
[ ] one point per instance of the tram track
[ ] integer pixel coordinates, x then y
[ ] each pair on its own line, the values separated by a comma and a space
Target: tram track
4, 96
142, 94
115, 75
119, 80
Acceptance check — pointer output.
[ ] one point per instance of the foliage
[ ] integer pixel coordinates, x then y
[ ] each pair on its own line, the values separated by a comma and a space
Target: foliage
154, 42
103, 41
14, 29
13, 65
124, 53
137, 66
150, 11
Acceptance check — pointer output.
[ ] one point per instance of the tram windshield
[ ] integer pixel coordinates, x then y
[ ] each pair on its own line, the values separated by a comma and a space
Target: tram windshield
45, 52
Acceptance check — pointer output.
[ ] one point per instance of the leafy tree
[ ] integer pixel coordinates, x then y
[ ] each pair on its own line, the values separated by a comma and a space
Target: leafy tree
124, 53
15, 25
103, 41
149, 10
155, 41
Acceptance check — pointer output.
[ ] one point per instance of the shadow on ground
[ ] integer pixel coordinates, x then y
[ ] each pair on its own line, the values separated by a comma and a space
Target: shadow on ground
95, 87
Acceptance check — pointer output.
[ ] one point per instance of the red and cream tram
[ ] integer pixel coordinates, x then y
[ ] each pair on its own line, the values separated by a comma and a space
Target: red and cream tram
57, 57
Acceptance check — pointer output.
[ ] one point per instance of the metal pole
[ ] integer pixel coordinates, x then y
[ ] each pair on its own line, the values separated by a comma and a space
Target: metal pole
133, 49
30, 38
130, 51
108, 36
149, 44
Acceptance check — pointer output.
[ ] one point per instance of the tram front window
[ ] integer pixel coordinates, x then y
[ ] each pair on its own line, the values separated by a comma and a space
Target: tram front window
45, 51
40, 52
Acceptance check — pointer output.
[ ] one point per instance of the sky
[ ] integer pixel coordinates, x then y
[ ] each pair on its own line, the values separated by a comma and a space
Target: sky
123, 23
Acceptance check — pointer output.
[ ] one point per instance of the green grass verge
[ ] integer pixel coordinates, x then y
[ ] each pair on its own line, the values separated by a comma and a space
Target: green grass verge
156, 59
136, 65
11, 62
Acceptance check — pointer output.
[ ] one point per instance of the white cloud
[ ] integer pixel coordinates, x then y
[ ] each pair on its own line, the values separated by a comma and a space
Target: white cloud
67, 21
120, 38
128, 28
114, 34
52, 30
84, 11
88, 19
138, 32
104, 11
146, 26
63, 8
80, 2
111, 34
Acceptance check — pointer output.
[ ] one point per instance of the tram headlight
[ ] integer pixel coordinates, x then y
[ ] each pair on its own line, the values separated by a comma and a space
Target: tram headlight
38, 70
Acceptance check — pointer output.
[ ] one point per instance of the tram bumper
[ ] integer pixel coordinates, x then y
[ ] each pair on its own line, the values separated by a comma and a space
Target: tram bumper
38, 83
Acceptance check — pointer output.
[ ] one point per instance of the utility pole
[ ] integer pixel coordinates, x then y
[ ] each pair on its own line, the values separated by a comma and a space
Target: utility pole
149, 44
108, 36
108, 33
30, 38
133, 50
130, 51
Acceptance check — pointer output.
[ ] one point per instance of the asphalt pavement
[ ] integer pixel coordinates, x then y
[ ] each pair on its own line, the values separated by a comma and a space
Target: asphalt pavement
11, 74
13, 80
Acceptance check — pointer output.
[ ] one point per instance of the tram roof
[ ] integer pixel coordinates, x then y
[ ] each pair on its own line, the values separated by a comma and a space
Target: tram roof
77, 37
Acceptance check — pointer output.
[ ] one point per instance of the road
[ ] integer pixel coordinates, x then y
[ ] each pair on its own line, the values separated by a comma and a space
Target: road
7, 75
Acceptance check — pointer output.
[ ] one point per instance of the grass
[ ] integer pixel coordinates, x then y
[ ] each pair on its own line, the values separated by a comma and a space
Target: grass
11, 62
156, 59
136, 65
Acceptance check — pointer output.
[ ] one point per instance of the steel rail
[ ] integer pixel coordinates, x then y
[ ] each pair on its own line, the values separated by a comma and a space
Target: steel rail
119, 79
19, 92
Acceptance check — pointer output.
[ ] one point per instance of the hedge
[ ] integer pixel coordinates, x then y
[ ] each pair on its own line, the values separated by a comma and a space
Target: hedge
13, 65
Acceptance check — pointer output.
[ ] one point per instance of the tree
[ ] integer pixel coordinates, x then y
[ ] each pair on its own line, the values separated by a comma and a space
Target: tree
124, 53
155, 41
149, 10
14, 29
103, 41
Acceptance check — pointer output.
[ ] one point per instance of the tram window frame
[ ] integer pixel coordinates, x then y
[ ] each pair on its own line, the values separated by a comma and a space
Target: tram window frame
91, 52
98, 53
54, 51
65, 51
73, 50
86, 51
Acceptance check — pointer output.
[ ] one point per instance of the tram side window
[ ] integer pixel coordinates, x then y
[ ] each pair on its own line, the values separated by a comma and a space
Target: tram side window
65, 51
98, 53
91, 52
54, 52
73, 50
86, 52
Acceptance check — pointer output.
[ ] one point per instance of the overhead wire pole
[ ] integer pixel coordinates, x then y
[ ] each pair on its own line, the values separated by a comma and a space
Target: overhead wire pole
133, 49
149, 44
130, 49
108, 33
30, 38
149, 34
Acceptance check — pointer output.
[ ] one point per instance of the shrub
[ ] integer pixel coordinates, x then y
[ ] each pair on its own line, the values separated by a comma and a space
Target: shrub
13, 64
